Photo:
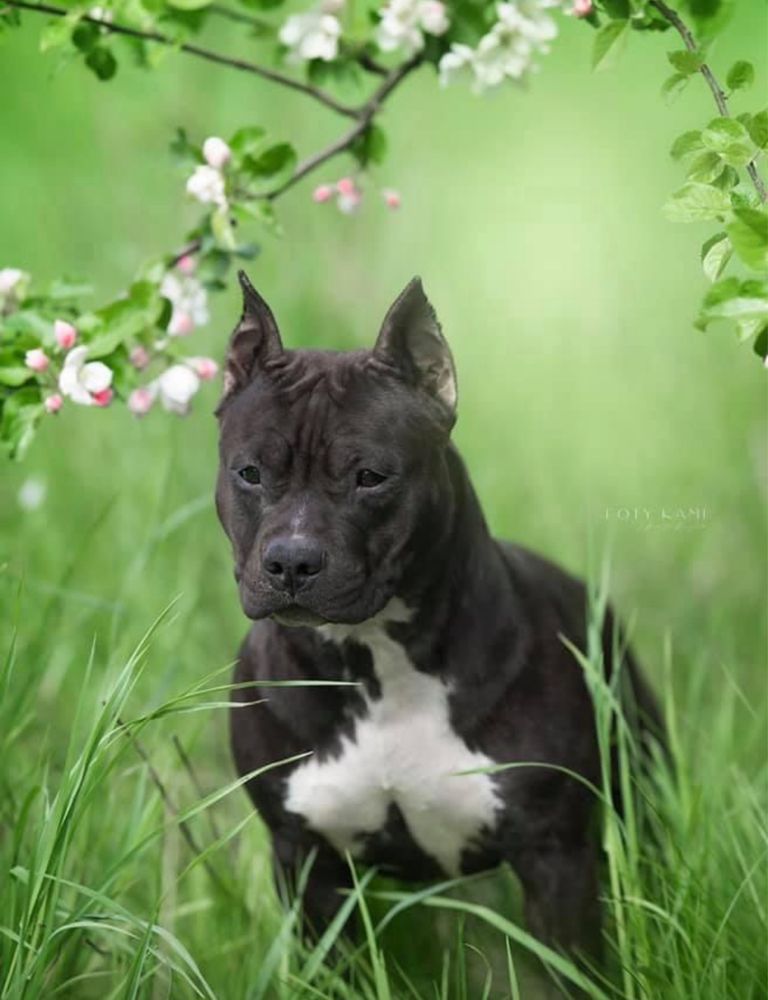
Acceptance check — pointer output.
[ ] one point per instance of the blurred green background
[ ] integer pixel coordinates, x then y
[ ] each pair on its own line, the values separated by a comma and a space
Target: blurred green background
593, 417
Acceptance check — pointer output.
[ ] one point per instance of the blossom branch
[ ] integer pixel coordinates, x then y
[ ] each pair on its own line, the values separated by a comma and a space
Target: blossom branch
196, 50
367, 114
718, 93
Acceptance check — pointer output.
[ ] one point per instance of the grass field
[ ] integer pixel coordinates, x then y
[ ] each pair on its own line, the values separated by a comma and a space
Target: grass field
596, 422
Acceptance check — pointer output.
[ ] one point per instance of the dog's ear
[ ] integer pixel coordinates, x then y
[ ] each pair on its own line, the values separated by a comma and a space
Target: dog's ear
255, 341
412, 342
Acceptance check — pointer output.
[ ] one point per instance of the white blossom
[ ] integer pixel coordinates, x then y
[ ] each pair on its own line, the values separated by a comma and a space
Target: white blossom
404, 22
176, 387
314, 34
458, 62
507, 51
207, 185
102, 14
81, 380
189, 300
216, 152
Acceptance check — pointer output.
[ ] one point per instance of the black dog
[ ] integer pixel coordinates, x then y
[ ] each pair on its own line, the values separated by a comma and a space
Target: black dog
362, 554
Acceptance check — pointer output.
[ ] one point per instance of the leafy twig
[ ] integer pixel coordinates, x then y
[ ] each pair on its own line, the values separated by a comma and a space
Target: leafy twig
367, 114
706, 71
196, 50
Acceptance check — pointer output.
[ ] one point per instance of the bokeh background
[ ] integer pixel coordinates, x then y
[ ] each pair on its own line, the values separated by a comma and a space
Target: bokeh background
594, 418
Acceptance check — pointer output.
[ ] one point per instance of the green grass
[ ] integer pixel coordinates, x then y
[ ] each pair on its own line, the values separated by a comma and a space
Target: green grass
132, 870
586, 400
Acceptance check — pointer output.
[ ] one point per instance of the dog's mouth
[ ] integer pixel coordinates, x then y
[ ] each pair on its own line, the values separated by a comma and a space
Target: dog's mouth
295, 615
287, 610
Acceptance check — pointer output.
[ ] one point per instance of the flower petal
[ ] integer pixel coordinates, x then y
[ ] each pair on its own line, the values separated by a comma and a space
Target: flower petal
96, 377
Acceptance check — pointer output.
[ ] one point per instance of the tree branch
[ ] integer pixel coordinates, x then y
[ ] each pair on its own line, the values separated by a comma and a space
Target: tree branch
717, 91
195, 50
367, 114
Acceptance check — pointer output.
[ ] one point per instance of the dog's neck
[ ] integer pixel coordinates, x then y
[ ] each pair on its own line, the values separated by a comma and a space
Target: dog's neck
456, 581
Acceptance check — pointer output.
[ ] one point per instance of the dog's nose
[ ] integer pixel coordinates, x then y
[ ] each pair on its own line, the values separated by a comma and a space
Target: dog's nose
292, 562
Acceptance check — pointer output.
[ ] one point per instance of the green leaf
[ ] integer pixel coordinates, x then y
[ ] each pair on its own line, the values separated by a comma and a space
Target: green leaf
674, 85
734, 299
85, 36
607, 41
618, 10
722, 133
749, 328
685, 62
21, 413
15, 375
102, 62
728, 179
705, 167
271, 169
189, 4
59, 31
715, 255
247, 141
261, 211
748, 232
760, 346
697, 203
685, 144
740, 75
272, 161
758, 129
370, 147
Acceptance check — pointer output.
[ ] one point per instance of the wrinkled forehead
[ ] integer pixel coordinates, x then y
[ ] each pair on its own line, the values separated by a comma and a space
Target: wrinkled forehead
333, 408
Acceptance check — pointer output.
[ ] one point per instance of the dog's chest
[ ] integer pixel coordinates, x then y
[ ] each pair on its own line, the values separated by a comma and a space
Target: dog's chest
403, 752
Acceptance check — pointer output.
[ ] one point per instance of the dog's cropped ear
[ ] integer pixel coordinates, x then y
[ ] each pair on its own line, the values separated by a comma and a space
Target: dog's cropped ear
255, 341
412, 342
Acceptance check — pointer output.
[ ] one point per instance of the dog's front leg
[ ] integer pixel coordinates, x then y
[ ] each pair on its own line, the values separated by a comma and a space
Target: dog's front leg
561, 897
324, 876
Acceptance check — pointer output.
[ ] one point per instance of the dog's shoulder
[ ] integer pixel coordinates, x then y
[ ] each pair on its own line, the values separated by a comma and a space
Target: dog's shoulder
545, 587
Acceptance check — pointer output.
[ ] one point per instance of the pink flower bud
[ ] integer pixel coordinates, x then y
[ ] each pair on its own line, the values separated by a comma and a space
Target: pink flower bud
139, 357
322, 194
37, 360
65, 334
140, 402
346, 186
186, 264
53, 403
581, 8
391, 198
216, 152
181, 324
103, 397
205, 368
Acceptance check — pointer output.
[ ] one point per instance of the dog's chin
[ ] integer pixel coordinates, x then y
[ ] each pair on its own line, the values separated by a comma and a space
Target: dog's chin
258, 606
294, 615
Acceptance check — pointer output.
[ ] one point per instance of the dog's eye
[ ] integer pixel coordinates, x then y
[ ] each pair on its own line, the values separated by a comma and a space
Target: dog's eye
367, 478
250, 474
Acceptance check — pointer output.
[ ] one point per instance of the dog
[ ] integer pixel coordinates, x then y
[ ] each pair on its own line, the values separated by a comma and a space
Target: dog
362, 555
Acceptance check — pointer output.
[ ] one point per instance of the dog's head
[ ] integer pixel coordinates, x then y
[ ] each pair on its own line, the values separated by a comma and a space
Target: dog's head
332, 465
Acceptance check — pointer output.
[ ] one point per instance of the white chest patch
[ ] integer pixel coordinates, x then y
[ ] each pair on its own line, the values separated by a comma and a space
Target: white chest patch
403, 751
